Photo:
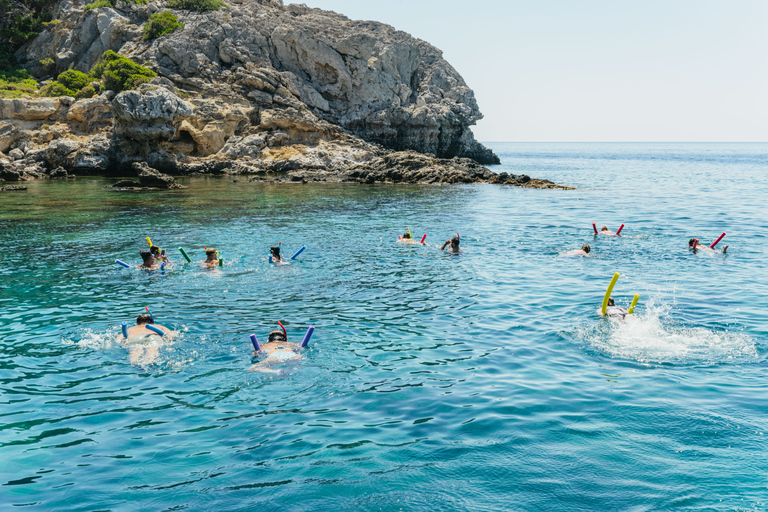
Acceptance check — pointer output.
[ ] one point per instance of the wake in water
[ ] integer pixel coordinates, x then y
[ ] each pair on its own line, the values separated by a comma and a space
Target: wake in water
655, 337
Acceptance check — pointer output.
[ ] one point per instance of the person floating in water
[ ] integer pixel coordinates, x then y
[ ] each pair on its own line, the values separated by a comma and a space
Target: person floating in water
454, 243
277, 350
159, 256
211, 258
584, 251
144, 344
604, 231
274, 253
613, 311
148, 261
407, 238
693, 244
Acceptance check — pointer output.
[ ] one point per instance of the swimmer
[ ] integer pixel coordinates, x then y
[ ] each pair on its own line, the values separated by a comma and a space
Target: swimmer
694, 245
155, 250
144, 344
613, 311
407, 239
454, 242
148, 262
277, 350
275, 253
584, 251
211, 258
604, 231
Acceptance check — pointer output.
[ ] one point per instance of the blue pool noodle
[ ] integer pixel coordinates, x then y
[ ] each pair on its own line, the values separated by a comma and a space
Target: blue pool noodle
270, 258
299, 252
255, 343
162, 266
307, 336
155, 329
122, 263
125, 330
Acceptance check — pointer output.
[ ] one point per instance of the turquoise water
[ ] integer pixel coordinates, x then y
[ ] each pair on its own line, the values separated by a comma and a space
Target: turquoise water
483, 381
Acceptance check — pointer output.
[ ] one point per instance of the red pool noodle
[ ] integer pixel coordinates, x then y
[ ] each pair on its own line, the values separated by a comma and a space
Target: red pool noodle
695, 243
423, 238
620, 228
594, 227
715, 242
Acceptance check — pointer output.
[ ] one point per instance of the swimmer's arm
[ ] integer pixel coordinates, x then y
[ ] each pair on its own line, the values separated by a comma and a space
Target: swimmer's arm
446, 243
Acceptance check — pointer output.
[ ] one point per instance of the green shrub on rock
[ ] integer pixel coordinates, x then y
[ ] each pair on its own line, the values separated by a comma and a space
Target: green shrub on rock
197, 5
73, 79
89, 91
55, 89
98, 4
161, 24
121, 73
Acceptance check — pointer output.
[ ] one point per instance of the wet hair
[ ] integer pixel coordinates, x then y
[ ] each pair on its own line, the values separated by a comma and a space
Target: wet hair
610, 301
275, 251
585, 248
455, 239
406, 235
154, 250
210, 252
145, 256
690, 242
604, 228
143, 319
277, 333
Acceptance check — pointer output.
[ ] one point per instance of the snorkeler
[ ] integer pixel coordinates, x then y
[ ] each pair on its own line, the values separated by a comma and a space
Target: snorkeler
408, 238
613, 311
694, 245
277, 350
148, 260
143, 343
584, 251
211, 258
274, 255
604, 230
159, 255
454, 242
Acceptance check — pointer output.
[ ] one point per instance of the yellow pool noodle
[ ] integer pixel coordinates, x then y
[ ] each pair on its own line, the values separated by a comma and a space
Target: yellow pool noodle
632, 306
604, 309
149, 242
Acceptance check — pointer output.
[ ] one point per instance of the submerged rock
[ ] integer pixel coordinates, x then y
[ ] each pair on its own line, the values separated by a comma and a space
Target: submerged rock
151, 178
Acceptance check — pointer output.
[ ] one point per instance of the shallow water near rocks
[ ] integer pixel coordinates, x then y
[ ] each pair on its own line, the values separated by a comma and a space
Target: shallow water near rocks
483, 381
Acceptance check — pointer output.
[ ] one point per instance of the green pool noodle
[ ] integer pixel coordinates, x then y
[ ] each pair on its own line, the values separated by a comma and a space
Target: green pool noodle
221, 261
184, 253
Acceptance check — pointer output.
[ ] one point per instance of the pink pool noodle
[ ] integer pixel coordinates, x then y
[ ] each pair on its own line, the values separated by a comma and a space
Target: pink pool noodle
399, 237
620, 228
695, 243
423, 238
594, 227
715, 242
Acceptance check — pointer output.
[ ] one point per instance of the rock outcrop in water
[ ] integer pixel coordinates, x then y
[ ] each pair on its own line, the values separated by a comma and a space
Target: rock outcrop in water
258, 88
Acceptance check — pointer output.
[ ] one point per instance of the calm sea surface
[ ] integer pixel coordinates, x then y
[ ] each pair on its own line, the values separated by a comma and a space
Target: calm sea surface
483, 381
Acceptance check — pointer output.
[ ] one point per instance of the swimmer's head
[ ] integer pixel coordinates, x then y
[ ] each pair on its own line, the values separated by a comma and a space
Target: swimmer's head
147, 257
210, 254
276, 335
610, 301
455, 242
406, 235
275, 251
143, 319
155, 250
691, 241
604, 228
585, 248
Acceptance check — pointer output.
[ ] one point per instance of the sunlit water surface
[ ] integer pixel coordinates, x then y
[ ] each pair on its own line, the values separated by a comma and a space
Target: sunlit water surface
483, 381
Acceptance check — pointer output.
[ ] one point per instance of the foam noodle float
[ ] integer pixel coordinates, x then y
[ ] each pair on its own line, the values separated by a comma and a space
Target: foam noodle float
152, 328
255, 342
162, 267
423, 238
299, 252
604, 308
620, 228
125, 330
716, 241
307, 336
632, 306
270, 258
122, 263
151, 316
184, 253
594, 227
221, 261
399, 237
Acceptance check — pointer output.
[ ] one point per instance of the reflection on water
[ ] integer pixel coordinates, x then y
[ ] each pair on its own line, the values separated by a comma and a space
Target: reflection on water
456, 382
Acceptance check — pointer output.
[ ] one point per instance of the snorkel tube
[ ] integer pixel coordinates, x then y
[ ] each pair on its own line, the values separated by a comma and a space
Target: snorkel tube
255, 342
184, 253
299, 252
154, 329
307, 336
125, 330
716, 241
423, 238
285, 334
620, 228
632, 306
151, 316
695, 243
594, 227
604, 307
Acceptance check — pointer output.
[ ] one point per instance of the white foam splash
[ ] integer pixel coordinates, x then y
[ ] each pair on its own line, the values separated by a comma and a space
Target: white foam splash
90, 338
653, 337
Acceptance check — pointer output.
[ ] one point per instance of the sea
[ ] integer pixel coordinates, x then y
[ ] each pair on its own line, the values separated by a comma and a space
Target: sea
483, 381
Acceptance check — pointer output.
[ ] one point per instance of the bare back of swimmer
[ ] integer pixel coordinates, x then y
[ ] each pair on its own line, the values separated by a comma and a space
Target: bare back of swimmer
613, 311
144, 344
276, 350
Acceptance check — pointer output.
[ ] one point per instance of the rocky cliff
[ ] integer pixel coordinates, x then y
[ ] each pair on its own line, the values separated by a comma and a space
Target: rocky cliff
256, 87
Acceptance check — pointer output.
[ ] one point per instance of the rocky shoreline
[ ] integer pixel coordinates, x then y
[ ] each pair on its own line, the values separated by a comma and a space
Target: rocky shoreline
281, 93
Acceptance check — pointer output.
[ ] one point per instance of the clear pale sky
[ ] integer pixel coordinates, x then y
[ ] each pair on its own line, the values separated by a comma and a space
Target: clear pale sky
598, 70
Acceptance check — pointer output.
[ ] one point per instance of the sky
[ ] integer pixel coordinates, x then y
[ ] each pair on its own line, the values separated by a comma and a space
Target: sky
598, 70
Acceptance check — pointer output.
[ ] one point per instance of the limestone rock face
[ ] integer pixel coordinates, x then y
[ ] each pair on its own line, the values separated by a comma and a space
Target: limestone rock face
149, 115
